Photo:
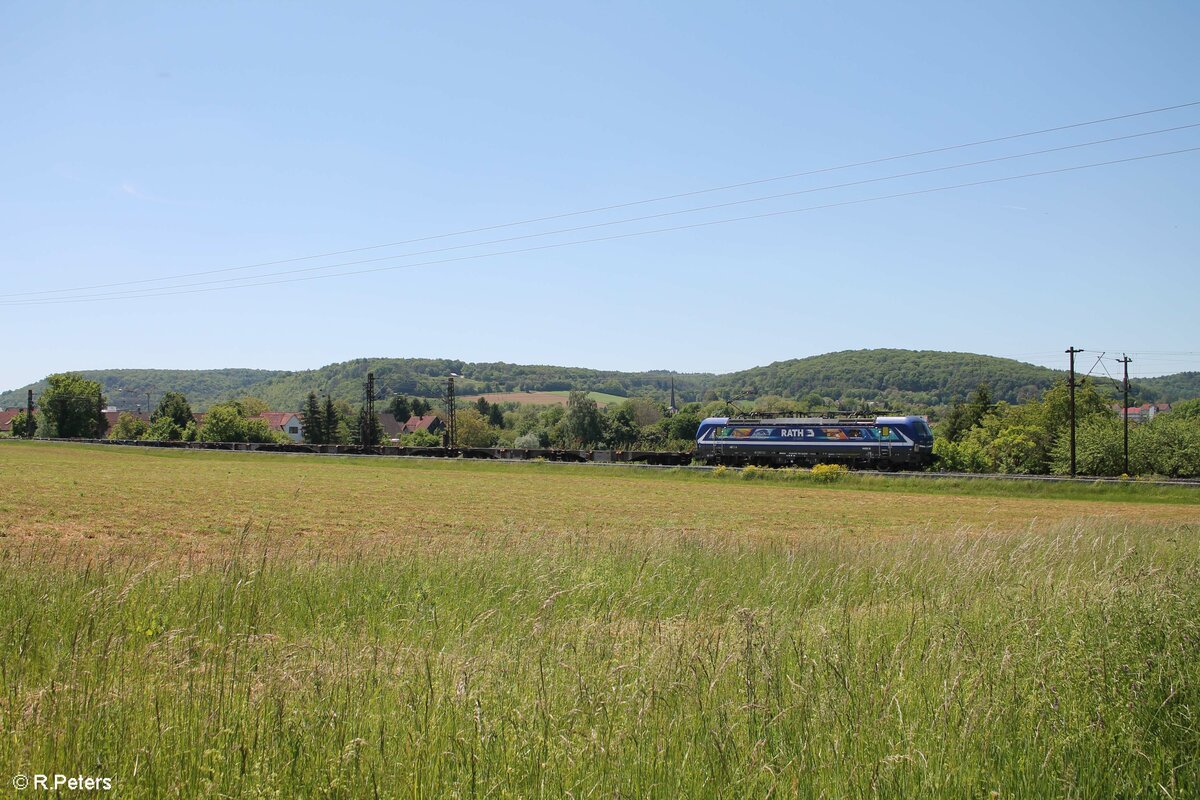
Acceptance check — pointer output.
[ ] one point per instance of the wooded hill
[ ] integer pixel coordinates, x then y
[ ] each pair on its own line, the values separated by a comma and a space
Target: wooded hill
899, 379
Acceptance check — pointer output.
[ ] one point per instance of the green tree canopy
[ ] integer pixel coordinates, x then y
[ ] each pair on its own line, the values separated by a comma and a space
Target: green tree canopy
223, 423
21, 425
1186, 409
421, 439
582, 425
71, 406
128, 427
367, 430
621, 429
472, 428
313, 421
164, 429
333, 422
400, 408
173, 406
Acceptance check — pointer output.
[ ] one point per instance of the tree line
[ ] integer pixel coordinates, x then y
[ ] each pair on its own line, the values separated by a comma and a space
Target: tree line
980, 434
73, 407
1033, 438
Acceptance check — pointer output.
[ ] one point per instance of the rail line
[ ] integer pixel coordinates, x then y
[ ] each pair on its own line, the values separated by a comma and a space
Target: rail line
643, 459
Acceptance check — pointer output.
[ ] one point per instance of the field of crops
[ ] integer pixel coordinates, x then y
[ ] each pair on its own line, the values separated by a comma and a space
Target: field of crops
200, 624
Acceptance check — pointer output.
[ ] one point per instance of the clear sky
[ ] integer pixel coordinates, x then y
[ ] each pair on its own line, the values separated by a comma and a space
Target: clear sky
150, 140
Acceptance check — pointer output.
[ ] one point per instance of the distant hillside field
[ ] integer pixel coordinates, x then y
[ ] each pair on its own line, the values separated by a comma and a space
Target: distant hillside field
539, 398
898, 378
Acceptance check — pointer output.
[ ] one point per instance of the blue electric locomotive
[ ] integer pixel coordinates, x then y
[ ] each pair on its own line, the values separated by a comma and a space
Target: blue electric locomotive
877, 443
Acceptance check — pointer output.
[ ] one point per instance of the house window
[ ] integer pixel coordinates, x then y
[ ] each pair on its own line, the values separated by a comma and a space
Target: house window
293, 429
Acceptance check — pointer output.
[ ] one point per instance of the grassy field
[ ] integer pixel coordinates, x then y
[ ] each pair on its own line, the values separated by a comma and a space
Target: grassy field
241, 625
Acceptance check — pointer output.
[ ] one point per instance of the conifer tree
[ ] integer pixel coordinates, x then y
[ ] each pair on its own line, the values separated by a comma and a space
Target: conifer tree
331, 422
314, 421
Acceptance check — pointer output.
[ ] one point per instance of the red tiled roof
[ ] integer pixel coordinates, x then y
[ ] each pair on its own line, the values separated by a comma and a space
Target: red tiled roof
391, 426
424, 423
278, 419
112, 417
6, 418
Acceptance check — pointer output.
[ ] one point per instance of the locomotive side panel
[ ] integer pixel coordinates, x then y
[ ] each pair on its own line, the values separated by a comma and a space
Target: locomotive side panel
885, 442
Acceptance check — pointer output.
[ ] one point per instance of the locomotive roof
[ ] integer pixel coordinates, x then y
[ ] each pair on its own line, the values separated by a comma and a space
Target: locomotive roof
749, 420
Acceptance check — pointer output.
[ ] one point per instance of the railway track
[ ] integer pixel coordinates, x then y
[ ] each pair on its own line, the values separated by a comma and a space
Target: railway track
637, 459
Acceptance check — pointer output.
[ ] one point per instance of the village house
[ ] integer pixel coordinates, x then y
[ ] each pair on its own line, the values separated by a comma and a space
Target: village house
6, 419
430, 422
393, 429
1143, 413
287, 422
391, 426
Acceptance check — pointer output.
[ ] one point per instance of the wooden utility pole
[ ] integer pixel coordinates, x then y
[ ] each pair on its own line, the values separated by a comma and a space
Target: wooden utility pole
29, 415
1125, 407
1071, 351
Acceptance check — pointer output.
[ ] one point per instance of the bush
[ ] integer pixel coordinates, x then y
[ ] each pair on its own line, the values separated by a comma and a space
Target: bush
20, 425
753, 473
1172, 444
163, 429
420, 439
528, 441
128, 427
829, 473
257, 430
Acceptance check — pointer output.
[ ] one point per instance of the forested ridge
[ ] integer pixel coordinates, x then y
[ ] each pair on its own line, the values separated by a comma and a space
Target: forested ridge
902, 379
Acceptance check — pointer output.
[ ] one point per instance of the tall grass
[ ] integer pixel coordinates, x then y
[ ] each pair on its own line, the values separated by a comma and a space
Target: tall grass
1061, 661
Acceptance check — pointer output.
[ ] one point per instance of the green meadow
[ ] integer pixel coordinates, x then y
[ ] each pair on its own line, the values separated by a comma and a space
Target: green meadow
201, 624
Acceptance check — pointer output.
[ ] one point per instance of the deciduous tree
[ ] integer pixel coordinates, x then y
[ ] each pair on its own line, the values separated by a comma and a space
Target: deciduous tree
71, 406
21, 425
472, 429
165, 429
223, 423
582, 424
128, 427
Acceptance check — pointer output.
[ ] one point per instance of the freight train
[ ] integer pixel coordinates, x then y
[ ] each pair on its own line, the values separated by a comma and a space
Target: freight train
875, 443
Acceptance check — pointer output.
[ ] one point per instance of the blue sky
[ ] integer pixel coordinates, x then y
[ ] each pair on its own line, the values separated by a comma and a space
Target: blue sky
145, 141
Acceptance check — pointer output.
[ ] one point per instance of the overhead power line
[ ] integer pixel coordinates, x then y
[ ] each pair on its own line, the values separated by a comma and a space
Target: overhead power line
616, 206
610, 223
133, 294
